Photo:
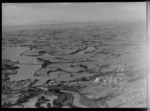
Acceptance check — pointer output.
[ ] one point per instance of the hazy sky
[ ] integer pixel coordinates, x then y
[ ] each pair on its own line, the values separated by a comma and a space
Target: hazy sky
28, 13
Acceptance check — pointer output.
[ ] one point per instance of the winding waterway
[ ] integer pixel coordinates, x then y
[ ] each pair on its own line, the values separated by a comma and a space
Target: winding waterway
28, 65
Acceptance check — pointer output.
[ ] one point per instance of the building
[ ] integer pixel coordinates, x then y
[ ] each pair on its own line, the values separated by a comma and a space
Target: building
96, 80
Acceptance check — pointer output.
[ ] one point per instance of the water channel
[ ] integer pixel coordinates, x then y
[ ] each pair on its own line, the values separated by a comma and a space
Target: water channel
28, 66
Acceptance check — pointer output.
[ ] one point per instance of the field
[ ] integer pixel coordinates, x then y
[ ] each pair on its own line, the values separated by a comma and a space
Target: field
82, 52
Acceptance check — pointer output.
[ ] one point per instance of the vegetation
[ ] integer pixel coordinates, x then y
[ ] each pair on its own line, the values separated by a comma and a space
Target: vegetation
42, 99
68, 45
49, 105
37, 104
84, 79
57, 103
22, 99
6, 105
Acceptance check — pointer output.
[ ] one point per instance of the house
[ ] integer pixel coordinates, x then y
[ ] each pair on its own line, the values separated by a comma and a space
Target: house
96, 80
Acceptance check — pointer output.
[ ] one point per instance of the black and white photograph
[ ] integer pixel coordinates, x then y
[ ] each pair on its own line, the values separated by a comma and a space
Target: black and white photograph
75, 55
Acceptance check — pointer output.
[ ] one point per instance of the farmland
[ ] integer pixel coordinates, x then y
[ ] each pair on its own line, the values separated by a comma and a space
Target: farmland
104, 61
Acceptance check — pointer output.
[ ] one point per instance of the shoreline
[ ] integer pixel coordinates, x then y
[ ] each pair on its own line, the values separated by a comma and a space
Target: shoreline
82, 61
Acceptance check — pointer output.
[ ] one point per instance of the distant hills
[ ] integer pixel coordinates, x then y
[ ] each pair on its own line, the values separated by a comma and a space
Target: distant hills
43, 22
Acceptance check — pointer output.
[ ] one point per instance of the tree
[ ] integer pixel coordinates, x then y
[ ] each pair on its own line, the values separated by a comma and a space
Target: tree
45, 64
70, 105
57, 103
37, 104
42, 97
72, 65
84, 66
22, 98
56, 90
42, 52
6, 104
83, 79
49, 105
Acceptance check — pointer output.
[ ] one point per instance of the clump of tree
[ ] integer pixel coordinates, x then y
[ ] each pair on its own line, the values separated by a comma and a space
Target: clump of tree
72, 65
57, 103
45, 64
6, 105
37, 104
42, 52
42, 99
54, 90
9, 67
84, 79
49, 105
83, 66
23, 98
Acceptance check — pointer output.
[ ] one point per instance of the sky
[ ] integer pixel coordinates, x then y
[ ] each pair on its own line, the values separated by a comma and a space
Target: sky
31, 13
